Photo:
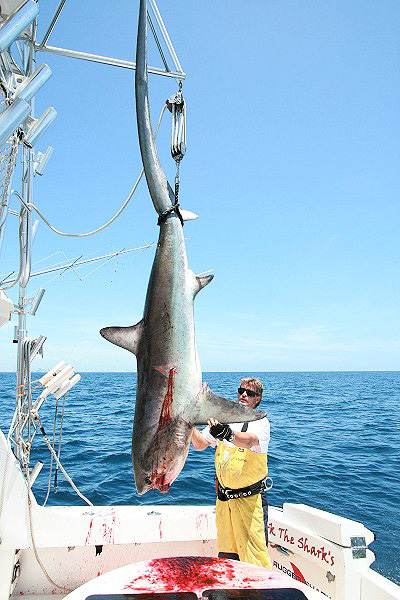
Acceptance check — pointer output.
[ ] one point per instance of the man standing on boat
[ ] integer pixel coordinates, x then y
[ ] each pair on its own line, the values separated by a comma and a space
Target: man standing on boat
241, 471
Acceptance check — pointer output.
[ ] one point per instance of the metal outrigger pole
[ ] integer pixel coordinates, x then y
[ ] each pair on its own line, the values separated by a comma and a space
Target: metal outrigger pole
177, 73
24, 401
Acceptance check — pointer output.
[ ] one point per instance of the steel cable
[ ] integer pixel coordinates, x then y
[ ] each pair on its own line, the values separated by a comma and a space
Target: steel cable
125, 204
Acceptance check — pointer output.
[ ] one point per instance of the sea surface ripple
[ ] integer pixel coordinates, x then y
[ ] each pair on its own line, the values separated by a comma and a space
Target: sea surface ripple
335, 445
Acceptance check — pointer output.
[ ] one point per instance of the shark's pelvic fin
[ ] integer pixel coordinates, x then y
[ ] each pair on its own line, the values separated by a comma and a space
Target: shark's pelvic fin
208, 405
125, 337
201, 281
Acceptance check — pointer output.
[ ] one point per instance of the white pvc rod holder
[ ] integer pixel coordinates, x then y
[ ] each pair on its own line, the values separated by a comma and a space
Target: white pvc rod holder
59, 379
52, 373
66, 386
35, 472
32, 85
43, 159
39, 127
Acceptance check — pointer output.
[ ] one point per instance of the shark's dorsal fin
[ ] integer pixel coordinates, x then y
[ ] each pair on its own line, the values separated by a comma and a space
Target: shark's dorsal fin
125, 337
208, 405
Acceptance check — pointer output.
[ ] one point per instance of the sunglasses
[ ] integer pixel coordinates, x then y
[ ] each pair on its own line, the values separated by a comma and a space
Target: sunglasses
250, 393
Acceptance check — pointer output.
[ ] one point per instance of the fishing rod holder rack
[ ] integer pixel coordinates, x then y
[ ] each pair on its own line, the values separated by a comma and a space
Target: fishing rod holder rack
18, 18
56, 382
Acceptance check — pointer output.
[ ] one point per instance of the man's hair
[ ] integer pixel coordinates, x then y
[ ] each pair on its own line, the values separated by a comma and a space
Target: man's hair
256, 383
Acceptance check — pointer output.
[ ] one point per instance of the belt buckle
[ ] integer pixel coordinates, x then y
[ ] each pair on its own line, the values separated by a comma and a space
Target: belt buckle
266, 486
228, 493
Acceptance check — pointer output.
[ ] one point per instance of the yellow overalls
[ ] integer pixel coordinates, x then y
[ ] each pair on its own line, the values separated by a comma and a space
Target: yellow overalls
240, 521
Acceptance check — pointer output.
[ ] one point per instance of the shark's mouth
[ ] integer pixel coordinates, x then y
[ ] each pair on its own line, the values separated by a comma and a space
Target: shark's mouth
160, 484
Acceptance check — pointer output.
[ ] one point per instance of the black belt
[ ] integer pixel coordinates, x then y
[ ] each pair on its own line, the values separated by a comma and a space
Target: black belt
225, 494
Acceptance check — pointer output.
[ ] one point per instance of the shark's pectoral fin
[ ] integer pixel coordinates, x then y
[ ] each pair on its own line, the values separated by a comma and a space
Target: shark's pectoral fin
125, 337
208, 405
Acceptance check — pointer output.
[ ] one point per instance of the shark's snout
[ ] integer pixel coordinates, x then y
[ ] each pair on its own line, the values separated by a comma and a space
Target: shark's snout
143, 485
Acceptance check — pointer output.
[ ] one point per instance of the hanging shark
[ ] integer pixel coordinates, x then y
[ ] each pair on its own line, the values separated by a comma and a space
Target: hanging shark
170, 396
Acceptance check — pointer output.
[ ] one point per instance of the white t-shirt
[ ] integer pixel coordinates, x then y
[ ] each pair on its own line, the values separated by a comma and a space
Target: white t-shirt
260, 428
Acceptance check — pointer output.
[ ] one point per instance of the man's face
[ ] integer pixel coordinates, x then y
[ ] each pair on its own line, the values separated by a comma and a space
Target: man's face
248, 399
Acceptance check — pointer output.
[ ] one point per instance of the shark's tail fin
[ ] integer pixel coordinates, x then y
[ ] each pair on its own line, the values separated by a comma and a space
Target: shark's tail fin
208, 405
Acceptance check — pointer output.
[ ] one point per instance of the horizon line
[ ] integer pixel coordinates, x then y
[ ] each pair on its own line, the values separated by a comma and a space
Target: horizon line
243, 371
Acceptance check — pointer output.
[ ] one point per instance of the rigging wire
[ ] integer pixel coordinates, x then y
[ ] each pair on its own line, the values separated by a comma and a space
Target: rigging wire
21, 250
79, 261
34, 547
58, 463
125, 204
51, 456
28, 206
59, 443
157, 42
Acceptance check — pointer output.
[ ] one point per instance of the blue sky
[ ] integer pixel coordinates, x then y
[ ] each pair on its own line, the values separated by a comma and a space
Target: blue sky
292, 165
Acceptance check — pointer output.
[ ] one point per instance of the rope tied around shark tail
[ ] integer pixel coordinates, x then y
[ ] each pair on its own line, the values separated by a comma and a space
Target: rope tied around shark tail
174, 208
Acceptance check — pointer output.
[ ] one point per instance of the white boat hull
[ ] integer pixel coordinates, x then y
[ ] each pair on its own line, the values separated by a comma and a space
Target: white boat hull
75, 544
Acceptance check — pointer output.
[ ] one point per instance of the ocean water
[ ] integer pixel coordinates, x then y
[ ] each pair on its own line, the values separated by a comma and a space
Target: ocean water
335, 445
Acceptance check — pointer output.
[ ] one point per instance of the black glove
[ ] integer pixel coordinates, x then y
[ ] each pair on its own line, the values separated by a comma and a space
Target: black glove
222, 431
